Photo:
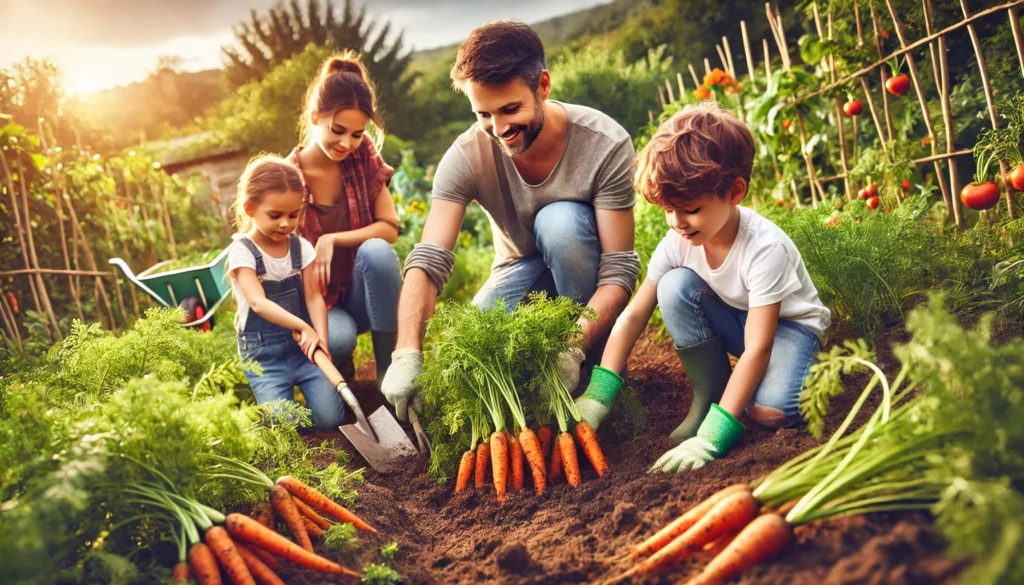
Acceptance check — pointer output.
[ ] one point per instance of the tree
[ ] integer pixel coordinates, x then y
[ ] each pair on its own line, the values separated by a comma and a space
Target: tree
266, 41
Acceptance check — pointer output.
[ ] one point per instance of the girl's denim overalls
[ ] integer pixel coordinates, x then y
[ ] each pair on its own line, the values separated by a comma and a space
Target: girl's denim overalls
281, 358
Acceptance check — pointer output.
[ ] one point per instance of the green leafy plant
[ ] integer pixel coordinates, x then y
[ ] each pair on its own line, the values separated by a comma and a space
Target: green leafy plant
341, 538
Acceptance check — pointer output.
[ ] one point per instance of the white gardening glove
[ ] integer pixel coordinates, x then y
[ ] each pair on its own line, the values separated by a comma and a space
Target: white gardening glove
569, 362
399, 385
715, 437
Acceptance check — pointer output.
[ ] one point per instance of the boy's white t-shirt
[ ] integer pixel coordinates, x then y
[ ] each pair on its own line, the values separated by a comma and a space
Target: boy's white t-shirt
762, 268
278, 269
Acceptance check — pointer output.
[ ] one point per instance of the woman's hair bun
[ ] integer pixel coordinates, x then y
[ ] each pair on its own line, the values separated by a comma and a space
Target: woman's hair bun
341, 65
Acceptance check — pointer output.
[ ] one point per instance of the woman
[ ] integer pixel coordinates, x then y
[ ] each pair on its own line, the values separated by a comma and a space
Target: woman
349, 214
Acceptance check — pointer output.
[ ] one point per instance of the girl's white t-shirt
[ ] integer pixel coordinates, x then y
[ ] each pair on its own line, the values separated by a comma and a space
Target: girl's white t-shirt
278, 269
763, 267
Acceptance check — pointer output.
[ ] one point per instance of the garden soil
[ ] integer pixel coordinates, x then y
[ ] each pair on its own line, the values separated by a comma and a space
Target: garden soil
573, 535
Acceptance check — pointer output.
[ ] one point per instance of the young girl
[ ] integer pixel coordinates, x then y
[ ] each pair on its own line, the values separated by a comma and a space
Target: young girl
273, 280
348, 212
727, 281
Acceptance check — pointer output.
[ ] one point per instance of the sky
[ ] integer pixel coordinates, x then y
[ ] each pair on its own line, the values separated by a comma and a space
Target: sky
103, 43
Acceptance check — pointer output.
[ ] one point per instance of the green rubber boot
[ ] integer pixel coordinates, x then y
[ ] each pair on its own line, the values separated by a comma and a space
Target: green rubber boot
707, 366
383, 345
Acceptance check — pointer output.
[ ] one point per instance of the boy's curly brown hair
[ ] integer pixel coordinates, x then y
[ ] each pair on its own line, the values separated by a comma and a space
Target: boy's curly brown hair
701, 149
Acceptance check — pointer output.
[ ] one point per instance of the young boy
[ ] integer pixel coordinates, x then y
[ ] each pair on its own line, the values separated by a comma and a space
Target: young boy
727, 280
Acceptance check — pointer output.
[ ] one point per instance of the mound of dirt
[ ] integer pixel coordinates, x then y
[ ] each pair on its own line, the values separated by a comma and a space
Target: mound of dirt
572, 535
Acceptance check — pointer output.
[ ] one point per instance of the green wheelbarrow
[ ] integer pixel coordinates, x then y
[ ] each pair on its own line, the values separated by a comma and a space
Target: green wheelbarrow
199, 290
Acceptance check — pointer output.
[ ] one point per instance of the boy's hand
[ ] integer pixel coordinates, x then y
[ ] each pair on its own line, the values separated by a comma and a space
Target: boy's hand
716, 435
595, 404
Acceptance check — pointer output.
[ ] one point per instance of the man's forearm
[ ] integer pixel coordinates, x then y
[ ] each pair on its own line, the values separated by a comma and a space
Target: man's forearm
415, 305
608, 302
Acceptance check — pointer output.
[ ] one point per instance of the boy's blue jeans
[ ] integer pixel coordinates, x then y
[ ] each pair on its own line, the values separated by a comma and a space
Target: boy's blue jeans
566, 264
694, 313
284, 367
372, 300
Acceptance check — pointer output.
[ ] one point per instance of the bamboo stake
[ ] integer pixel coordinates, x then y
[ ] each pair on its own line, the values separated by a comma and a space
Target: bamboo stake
782, 37
1018, 38
929, 15
36, 302
839, 107
749, 57
874, 114
682, 88
767, 63
44, 296
90, 262
661, 96
57, 271
882, 74
951, 199
989, 101
807, 156
650, 116
8, 315
693, 74
60, 223
725, 63
898, 25
668, 88
120, 298
728, 55
860, 30
707, 67
8, 331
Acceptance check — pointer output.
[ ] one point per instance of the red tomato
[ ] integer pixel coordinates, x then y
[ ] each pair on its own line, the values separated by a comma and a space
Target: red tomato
906, 185
872, 190
12, 301
853, 108
980, 197
863, 194
779, 203
898, 85
874, 202
1017, 178
787, 124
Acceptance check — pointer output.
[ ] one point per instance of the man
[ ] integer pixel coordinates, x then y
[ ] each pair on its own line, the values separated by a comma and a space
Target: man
556, 182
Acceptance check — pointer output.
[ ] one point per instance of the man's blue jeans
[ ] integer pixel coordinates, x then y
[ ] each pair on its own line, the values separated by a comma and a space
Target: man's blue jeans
566, 264
694, 313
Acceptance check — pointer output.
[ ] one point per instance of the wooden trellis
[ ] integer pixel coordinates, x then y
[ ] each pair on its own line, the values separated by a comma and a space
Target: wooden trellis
77, 256
935, 41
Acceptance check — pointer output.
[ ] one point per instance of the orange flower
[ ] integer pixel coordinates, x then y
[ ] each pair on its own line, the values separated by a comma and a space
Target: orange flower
702, 93
885, 33
926, 141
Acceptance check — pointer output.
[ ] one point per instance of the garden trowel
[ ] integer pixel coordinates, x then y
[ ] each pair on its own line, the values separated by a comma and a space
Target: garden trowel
378, 438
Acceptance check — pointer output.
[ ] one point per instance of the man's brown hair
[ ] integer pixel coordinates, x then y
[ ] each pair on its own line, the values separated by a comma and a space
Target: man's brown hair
497, 53
701, 149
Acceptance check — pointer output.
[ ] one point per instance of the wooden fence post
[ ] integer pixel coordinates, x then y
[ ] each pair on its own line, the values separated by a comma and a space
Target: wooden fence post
747, 54
44, 296
56, 177
947, 118
1018, 38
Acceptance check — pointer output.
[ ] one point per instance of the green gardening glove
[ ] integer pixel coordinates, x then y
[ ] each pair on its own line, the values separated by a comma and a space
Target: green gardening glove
599, 398
715, 436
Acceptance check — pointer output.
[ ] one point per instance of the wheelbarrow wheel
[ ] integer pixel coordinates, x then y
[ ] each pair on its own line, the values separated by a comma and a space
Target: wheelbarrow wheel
194, 311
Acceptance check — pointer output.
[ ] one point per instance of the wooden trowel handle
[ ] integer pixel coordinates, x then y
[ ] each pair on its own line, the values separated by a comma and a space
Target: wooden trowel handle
324, 362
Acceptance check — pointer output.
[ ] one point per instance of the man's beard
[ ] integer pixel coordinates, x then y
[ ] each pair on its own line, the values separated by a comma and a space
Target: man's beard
530, 133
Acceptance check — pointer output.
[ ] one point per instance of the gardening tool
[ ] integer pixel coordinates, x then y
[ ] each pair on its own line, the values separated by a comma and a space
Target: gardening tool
378, 438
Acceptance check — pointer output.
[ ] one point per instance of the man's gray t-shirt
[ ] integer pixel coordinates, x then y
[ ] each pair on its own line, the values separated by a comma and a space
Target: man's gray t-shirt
596, 168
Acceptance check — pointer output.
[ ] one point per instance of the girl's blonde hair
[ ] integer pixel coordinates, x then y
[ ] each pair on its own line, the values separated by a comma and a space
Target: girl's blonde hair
264, 174
342, 83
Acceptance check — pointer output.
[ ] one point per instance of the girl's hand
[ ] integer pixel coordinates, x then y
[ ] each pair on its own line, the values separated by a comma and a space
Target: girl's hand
322, 263
309, 341
320, 344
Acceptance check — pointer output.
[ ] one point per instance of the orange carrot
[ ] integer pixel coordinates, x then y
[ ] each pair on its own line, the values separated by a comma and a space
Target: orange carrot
267, 558
224, 549
260, 571
248, 530
203, 564
285, 508
263, 513
544, 437
711, 550
312, 529
764, 538
684, 522
591, 448
321, 502
499, 463
557, 469
516, 454
465, 470
534, 453
732, 513
310, 513
483, 457
569, 459
181, 573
